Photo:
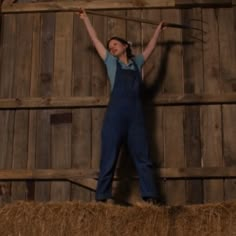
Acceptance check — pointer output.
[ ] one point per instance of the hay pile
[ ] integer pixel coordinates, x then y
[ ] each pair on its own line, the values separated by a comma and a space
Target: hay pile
77, 218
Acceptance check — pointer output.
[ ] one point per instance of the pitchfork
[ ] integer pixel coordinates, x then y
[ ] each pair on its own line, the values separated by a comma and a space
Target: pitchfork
172, 25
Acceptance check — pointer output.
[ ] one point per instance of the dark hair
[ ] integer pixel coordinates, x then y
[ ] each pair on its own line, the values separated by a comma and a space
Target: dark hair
124, 42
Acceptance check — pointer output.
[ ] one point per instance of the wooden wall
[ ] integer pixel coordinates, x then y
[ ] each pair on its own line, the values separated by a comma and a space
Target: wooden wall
50, 54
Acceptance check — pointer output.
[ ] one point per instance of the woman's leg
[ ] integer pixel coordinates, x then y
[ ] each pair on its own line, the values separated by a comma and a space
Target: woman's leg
111, 141
138, 147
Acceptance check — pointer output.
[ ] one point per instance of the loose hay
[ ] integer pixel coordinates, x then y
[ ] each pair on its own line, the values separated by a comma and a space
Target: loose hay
77, 218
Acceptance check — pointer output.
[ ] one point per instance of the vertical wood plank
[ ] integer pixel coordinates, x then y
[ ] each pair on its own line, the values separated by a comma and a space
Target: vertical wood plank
61, 133
6, 82
212, 150
154, 73
211, 135
21, 88
229, 130
8, 48
193, 83
35, 67
173, 116
100, 87
8, 39
34, 85
174, 153
43, 134
81, 126
227, 46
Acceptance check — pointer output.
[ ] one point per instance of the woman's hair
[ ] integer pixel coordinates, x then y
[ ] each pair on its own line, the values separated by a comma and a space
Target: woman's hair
124, 42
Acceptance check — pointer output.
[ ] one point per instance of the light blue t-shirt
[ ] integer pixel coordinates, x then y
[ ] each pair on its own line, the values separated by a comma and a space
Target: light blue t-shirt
110, 62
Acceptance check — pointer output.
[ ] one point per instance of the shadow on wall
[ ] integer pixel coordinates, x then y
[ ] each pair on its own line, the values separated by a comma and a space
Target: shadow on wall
126, 168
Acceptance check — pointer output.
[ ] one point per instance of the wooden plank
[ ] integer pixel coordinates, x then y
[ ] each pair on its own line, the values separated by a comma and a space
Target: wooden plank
154, 72
44, 88
193, 83
46, 174
229, 149
8, 38
61, 133
89, 184
99, 87
102, 101
75, 5
107, 4
200, 3
81, 126
8, 45
211, 117
166, 173
21, 87
173, 128
212, 150
227, 48
33, 89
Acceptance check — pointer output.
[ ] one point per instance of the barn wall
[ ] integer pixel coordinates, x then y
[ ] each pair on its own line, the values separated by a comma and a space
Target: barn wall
50, 54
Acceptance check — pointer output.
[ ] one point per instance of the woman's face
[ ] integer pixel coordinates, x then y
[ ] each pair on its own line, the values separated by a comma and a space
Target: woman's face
116, 48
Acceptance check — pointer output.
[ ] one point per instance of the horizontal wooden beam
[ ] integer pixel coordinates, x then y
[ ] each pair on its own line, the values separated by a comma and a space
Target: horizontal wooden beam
89, 101
58, 6
70, 174
44, 174
203, 3
92, 4
52, 102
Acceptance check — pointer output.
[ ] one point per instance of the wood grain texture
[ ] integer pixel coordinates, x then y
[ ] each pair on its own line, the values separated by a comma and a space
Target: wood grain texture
99, 87
21, 87
75, 5
193, 83
211, 116
227, 48
43, 81
173, 116
167, 173
102, 101
81, 86
8, 39
154, 74
61, 133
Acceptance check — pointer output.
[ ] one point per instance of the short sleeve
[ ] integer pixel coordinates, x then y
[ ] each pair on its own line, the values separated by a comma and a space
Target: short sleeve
111, 63
139, 60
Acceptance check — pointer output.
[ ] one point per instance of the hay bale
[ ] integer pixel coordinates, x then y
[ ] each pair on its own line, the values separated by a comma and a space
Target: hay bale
77, 218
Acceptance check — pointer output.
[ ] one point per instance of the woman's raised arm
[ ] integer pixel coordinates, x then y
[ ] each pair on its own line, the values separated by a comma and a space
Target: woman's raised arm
93, 35
152, 43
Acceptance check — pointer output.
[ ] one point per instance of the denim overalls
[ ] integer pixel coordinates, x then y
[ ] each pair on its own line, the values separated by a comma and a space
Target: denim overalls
124, 122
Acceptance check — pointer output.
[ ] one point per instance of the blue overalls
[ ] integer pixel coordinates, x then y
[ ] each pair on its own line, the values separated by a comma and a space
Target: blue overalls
124, 122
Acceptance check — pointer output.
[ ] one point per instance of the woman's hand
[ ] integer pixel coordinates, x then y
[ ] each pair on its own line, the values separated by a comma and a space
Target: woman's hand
82, 14
161, 26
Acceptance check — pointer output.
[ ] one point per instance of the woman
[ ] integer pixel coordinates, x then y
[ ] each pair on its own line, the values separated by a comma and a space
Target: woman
124, 121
